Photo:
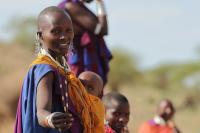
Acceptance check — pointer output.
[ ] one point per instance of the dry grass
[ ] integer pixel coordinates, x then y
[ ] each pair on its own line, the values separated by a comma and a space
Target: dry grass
13, 66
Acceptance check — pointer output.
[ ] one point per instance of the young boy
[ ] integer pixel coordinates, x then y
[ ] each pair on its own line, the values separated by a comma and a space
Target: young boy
92, 82
52, 99
117, 112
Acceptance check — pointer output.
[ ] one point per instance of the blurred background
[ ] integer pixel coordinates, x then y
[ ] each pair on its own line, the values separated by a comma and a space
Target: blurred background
156, 49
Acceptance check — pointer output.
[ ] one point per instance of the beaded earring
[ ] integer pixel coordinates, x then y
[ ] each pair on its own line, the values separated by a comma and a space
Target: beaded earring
71, 49
38, 45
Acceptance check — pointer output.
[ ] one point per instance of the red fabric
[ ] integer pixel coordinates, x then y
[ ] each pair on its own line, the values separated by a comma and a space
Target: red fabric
109, 130
85, 39
154, 128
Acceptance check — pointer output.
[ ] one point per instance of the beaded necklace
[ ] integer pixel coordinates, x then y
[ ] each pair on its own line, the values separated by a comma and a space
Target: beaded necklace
64, 93
65, 66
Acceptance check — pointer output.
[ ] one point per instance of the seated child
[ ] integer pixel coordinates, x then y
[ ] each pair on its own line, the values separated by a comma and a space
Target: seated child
117, 112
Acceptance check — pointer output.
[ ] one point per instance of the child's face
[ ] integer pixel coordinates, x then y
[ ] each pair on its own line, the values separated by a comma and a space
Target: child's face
166, 110
92, 86
92, 82
118, 116
57, 33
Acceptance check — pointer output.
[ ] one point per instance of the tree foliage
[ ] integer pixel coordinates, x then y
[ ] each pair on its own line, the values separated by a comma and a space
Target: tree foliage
123, 68
24, 29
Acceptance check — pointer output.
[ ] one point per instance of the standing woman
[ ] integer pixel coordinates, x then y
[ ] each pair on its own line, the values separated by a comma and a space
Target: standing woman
52, 99
91, 52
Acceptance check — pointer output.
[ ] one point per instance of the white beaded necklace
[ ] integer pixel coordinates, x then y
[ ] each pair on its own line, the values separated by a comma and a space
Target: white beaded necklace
65, 66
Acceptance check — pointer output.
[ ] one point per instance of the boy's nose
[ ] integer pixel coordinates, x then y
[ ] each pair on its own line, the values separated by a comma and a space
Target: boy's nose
62, 37
168, 110
122, 119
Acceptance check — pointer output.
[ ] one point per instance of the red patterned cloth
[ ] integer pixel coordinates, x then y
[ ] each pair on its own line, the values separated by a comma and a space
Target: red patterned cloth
109, 129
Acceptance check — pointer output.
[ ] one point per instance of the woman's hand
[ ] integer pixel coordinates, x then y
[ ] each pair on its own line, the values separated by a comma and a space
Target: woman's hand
62, 121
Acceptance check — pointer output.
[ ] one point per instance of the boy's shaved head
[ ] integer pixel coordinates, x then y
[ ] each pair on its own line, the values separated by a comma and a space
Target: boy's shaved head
117, 111
47, 12
92, 82
89, 75
114, 98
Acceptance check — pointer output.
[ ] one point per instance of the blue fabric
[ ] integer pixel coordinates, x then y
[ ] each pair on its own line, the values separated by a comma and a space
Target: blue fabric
26, 118
28, 103
28, 100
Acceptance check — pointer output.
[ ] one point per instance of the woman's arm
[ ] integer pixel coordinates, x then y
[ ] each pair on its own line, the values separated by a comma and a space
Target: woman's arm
46, 118
44, 98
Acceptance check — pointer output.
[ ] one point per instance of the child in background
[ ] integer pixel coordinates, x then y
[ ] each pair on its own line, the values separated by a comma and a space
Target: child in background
117, 112
163, 120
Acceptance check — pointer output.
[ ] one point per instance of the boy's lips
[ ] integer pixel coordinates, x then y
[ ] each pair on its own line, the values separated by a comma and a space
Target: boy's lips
119, 125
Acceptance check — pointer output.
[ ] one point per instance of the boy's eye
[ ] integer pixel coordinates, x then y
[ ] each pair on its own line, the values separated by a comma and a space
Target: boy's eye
127, 114
117, 114
69, 30
55, 31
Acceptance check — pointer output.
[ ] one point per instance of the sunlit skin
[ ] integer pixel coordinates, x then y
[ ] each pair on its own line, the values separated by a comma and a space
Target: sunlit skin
92, 82
117, 115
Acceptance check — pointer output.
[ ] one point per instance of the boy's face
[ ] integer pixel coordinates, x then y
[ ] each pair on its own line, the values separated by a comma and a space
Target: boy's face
166, 110
57, 32
118, 116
